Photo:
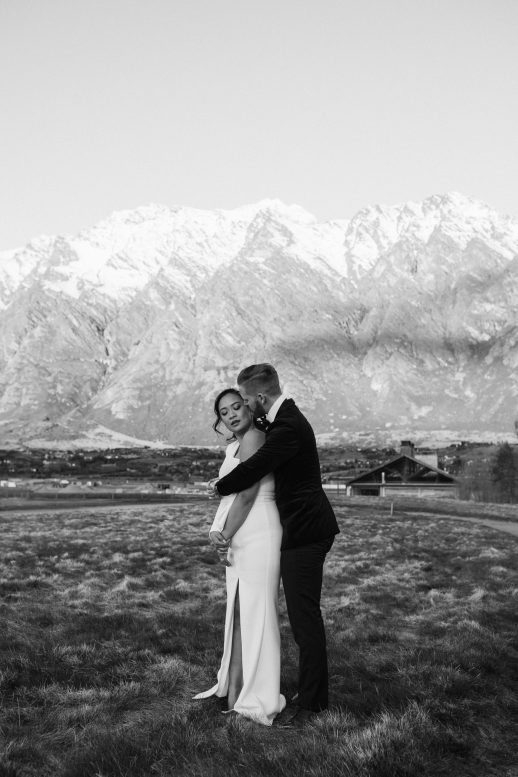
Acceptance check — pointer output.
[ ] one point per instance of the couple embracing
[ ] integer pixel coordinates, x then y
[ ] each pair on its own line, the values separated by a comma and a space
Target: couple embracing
274, 520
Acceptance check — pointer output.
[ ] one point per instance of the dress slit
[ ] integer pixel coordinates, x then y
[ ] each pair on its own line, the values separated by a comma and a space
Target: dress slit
223, 674
236, 605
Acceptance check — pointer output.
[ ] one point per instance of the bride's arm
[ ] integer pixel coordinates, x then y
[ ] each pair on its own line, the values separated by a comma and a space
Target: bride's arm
243, 502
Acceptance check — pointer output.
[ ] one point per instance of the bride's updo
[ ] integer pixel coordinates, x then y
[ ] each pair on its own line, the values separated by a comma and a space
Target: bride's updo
216, 406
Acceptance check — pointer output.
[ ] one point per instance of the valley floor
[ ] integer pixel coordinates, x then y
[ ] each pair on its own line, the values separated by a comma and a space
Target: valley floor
113, 618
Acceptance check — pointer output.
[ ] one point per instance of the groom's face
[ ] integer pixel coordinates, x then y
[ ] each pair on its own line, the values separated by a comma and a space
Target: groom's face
253, 402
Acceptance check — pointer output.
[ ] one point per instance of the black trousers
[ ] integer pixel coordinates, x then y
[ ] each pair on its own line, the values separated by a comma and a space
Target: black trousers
301, 572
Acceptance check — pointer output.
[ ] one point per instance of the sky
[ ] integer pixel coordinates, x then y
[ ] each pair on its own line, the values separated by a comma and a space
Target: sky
333, 105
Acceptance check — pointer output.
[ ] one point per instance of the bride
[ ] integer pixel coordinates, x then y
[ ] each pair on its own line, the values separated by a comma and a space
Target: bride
249, 674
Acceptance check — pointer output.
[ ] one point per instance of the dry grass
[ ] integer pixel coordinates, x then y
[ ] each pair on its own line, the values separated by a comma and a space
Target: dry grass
112, 618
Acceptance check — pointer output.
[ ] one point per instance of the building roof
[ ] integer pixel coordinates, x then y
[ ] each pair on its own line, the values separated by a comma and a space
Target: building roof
405, 469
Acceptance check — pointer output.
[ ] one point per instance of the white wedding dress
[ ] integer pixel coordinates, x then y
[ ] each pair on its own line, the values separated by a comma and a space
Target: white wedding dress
254, 570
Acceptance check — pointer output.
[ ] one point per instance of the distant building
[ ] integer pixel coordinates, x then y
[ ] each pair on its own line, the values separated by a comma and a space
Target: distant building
409, 474
163, 486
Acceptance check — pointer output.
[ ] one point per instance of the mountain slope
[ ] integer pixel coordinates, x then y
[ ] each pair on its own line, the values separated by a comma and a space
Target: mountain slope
402, 319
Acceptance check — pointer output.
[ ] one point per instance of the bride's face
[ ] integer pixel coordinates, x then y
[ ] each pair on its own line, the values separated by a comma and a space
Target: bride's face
234, 413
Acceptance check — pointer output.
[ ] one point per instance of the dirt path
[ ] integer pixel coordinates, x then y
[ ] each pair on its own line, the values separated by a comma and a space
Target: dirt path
511, 527
508, 526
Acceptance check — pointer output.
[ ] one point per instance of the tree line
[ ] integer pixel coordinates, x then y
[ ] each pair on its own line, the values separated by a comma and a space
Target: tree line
491, 478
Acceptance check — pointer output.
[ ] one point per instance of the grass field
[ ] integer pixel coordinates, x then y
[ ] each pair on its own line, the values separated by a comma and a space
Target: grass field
112, 618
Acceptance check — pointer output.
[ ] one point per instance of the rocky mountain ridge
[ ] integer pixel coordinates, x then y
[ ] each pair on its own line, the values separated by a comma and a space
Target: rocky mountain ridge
400, 321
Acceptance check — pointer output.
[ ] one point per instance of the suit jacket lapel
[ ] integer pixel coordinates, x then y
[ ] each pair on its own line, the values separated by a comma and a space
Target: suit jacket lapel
287, 405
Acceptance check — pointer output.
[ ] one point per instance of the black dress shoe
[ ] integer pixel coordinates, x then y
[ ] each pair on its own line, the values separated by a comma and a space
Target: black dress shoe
283, 719
301, 718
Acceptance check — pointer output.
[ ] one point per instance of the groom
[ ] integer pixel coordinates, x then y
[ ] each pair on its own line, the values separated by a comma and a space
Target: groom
307, 519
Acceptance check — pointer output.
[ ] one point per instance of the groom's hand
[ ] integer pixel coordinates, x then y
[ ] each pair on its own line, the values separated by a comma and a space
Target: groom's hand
212, 491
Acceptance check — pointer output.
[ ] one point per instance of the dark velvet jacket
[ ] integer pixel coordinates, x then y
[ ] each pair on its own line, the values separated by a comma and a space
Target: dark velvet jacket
290, 452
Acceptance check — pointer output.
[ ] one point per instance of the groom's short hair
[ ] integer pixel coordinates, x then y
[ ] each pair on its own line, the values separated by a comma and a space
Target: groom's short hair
260, 378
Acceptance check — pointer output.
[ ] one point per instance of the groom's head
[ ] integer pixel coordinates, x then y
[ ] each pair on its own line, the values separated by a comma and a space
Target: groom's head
259, 387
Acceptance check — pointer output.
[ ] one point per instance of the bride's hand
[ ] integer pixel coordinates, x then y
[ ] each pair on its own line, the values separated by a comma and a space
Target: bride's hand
223, 556
218, 540
221, 546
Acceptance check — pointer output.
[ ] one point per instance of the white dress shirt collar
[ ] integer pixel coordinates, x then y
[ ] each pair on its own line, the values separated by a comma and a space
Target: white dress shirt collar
272, 412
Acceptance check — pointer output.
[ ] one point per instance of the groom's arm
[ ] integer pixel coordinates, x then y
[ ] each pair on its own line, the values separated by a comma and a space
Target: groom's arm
282, 443
244, 501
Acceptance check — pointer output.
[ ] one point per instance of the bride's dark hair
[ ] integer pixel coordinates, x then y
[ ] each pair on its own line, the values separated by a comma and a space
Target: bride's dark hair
216, 407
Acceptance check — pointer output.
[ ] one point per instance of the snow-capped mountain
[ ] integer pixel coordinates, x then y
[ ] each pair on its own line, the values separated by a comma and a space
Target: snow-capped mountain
403, 319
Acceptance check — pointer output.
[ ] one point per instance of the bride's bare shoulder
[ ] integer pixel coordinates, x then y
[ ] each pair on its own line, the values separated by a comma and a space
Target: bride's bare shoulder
252, 440
254, 434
